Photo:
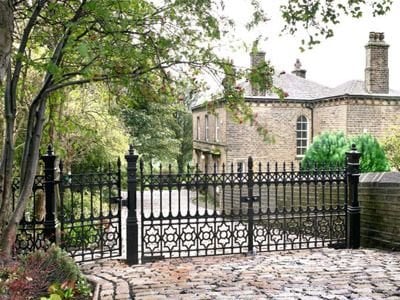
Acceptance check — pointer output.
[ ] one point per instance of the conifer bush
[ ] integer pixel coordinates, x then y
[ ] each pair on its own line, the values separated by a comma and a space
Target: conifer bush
329, 149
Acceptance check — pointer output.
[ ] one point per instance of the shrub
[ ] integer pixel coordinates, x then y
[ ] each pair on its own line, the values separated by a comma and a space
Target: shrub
373, 158
330, 149
327, 148
62, 266
42, 272
391, 145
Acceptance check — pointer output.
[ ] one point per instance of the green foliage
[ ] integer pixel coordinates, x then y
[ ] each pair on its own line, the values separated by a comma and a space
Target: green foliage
151, 128
42, 273
318, 18
59, 292
79, 289
161, 131
84, 129
62, 266
373, 158
327, 148
391, 145
85, 236
330, 149
79, 205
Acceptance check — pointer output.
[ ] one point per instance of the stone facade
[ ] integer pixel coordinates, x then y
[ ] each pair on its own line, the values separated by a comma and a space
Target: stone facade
236, 142
280, 119
355, 115
355, 107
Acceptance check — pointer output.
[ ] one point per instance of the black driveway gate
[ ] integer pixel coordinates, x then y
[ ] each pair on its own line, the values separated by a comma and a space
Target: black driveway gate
264, 208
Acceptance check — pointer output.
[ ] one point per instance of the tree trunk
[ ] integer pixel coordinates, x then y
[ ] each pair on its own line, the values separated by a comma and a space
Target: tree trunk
6, 30
7, 157
28, 172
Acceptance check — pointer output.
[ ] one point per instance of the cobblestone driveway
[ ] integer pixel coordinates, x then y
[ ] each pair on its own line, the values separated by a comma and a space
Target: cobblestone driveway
305, 274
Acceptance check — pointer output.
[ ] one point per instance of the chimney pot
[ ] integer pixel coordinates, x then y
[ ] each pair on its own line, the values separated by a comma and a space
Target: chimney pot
298, 71
256, 59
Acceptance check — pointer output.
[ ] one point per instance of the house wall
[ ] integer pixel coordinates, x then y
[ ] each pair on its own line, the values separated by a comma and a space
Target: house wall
239, 141
211, 151
243, 140
330, 116
377, 117
357, 116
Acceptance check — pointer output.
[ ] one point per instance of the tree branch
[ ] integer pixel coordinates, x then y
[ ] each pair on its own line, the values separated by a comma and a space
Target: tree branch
24, 41
138, 72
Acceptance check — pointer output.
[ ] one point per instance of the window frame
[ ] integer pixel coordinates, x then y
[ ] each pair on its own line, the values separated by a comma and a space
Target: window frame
216, 128
206, 128
198, 128
302, 130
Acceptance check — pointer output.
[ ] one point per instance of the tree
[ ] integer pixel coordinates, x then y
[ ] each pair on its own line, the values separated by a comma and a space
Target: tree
6, 30
391, 145
151, 127
329, 149
127, 44
183, 132
161, 132
318, 18
373, 158
84, 128
162, 129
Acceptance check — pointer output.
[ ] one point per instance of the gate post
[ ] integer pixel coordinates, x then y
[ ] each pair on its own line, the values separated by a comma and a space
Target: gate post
51, 230
132, 236
250, 209
353, 208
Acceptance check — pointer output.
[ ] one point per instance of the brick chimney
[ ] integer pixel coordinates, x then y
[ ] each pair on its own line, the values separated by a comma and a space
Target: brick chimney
298, 71
256, 59
376, 69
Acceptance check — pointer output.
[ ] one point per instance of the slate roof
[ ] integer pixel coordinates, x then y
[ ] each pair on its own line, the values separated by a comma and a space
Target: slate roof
296, 87
356, 87
299, 88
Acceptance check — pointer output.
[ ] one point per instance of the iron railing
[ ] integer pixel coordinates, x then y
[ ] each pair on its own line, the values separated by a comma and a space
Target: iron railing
79, 212
202, 213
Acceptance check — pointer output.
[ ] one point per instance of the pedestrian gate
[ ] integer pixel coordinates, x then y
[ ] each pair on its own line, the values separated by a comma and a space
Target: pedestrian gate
79, 212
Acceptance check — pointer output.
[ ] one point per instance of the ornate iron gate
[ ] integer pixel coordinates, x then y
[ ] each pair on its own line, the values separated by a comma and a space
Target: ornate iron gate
211, 212
79, 212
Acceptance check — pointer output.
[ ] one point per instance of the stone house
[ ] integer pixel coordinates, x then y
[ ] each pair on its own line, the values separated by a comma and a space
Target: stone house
309, 109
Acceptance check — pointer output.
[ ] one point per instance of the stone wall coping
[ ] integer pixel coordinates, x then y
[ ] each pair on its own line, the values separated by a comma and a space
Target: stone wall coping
381, 179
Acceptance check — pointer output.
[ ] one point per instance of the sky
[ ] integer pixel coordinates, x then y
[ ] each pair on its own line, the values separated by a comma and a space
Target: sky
333, 62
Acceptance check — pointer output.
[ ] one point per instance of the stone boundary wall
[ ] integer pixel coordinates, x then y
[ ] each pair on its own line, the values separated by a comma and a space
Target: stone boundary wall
379, 196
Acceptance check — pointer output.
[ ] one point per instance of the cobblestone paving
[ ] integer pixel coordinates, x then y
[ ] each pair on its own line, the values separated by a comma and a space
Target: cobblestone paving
304, 274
